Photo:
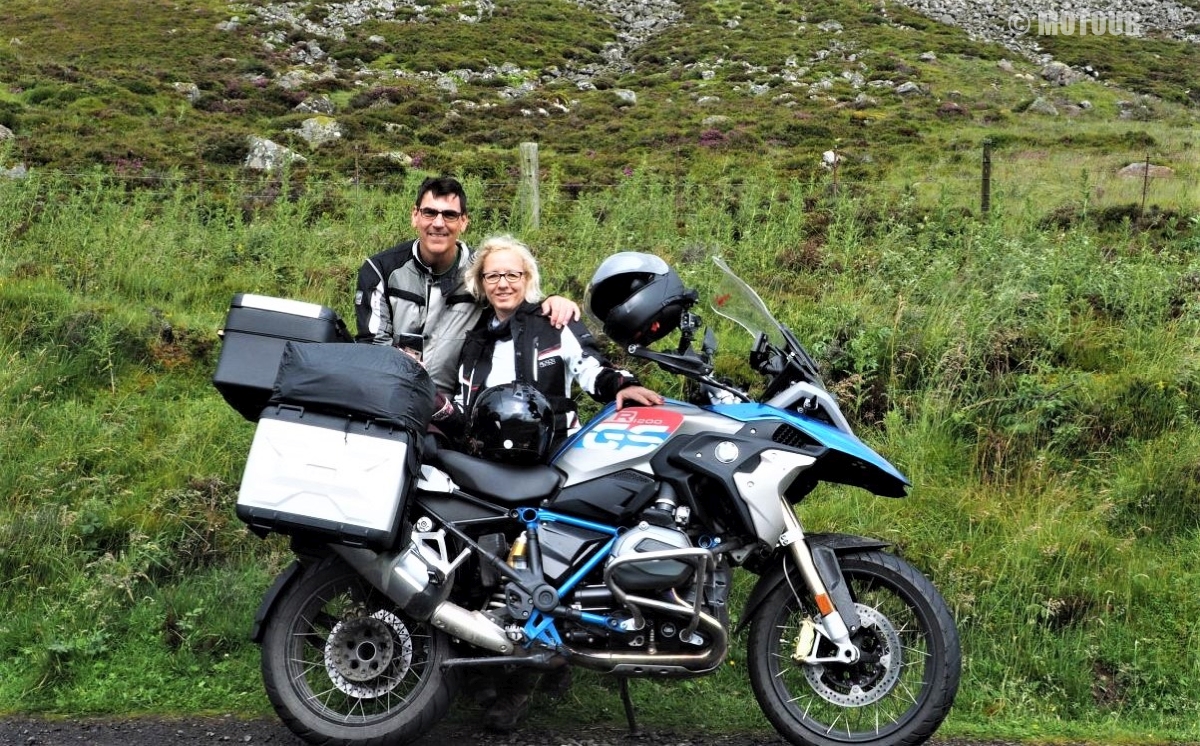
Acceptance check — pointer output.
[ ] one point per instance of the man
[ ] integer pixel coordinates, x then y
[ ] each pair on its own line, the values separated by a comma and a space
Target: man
412, 295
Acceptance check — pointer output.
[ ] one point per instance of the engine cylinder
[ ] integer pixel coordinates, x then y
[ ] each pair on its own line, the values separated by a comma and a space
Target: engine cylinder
656, 574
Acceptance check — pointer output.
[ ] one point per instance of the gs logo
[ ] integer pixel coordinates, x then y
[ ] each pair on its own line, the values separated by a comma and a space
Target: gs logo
615, 437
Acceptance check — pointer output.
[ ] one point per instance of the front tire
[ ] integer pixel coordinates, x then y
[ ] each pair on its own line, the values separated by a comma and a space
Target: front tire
899, 691
342, 664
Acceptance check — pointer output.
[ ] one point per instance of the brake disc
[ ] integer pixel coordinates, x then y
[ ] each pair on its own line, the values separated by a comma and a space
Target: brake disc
872, 677
366, 657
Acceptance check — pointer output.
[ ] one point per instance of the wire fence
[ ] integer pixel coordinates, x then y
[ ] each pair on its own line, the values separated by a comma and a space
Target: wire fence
980, 180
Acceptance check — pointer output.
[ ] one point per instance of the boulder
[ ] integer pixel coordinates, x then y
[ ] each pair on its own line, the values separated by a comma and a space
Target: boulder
1143, 170
317, 131
266, 155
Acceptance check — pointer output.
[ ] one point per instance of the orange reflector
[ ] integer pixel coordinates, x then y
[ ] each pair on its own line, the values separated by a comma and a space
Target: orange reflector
824, 605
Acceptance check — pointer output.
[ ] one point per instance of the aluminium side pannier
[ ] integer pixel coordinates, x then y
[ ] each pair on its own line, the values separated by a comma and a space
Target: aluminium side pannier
337, 449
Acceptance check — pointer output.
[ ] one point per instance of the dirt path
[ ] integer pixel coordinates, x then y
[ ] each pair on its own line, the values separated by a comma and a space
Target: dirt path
161, 732
222, 730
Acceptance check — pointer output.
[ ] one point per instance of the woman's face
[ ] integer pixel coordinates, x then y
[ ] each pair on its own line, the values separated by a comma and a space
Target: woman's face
504, 279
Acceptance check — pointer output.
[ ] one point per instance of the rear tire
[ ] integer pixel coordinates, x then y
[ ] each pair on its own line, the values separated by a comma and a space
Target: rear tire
342, 664
899, 691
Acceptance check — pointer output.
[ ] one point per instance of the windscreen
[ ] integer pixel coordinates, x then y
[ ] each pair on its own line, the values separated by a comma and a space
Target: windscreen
737, 301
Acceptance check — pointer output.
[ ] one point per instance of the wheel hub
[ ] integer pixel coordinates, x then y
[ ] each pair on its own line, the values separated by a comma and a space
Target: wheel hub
873, 676
367, 657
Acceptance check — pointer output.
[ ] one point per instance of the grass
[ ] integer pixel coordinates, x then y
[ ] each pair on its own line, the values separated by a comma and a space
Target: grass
1037, 386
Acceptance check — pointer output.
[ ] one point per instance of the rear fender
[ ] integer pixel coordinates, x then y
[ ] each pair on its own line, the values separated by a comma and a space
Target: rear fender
267, 606
784, 567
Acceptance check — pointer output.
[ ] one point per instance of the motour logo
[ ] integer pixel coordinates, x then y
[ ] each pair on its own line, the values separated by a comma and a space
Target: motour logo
1078, 23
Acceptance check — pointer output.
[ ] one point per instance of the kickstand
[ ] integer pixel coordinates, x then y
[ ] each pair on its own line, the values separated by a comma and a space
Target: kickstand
625, 700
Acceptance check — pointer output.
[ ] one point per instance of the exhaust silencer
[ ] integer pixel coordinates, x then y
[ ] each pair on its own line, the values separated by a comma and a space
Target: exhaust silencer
406, 578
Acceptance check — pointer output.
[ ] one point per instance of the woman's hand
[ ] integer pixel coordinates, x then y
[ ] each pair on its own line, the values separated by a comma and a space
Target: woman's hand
638, 396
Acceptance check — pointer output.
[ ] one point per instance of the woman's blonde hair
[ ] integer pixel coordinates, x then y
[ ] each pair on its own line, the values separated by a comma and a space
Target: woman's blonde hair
492, 244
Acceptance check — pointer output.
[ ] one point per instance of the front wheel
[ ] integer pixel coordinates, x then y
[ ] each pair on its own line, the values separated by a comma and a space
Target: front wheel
902, 686
342, 664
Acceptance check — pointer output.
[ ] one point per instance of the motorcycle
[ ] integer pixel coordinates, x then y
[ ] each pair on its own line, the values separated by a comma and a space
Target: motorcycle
619, 557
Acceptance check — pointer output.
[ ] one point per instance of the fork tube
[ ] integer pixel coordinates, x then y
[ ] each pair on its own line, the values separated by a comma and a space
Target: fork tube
831, 619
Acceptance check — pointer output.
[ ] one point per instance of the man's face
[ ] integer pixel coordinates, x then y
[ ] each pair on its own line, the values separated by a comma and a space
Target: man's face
439, 233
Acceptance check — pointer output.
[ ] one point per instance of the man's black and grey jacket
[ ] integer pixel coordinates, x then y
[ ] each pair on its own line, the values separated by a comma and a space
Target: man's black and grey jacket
399, 295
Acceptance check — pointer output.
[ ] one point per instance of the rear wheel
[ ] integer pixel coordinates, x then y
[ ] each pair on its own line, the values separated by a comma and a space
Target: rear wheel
898, 692
342, 664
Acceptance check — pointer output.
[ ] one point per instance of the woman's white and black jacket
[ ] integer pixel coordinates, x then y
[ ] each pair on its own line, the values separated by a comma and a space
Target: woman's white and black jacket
400, 295
527, 347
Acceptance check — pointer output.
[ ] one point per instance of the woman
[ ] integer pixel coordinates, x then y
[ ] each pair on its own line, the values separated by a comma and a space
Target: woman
515, 341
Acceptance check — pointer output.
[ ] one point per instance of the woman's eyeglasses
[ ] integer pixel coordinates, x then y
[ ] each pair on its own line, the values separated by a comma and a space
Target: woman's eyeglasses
448, 215
492, 278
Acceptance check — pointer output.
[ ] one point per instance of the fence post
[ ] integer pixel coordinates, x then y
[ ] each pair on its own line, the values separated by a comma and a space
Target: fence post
529, 181
985, 197
1145, 186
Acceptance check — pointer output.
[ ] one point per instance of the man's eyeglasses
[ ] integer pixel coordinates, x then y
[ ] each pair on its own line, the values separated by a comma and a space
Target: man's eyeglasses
492, 278
448, 215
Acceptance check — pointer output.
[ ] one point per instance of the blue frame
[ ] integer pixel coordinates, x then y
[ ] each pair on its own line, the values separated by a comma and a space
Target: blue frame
540, 627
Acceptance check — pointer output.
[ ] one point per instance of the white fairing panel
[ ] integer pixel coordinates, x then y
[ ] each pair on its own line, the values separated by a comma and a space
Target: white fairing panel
629, 438
761, 488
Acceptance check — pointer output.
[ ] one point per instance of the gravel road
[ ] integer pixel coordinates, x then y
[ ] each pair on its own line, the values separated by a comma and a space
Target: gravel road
159, 732
222, 730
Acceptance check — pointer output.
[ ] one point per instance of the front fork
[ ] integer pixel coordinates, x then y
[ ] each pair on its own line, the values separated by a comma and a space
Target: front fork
822, 575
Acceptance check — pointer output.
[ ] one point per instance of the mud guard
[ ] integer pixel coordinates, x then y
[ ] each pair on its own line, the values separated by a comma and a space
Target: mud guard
838, 544
267, 605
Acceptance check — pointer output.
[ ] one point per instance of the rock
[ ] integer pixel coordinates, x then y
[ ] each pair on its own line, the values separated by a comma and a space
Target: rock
190, 91
1060, 73
395, 156
16, 172
863, 101
320, 130
928, 57
908, 89
321, 104
6, 133
266, 155
1143, 169
1042, 105
627, 96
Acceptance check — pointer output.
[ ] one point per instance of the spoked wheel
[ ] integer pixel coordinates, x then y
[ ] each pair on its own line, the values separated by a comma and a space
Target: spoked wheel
343, 665
899, 690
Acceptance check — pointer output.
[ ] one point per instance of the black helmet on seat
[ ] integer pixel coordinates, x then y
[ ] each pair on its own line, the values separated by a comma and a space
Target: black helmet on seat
637, 297
512, 423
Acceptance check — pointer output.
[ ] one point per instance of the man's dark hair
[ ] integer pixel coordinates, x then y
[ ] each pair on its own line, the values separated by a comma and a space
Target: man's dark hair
442, 186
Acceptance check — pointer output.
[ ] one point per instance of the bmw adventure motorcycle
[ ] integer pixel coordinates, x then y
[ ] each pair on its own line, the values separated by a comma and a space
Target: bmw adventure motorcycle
619, 557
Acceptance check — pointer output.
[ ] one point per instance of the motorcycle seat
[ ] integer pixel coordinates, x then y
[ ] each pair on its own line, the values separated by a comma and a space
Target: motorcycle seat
500, 482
